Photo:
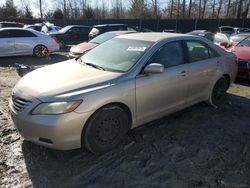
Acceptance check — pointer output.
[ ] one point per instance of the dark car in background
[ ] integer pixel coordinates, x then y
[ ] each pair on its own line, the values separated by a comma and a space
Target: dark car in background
71, 34
81, 48
36, 27
99, 29
10, 24
203, 33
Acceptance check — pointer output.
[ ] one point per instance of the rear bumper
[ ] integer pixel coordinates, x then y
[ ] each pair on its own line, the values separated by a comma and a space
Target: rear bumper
54, 47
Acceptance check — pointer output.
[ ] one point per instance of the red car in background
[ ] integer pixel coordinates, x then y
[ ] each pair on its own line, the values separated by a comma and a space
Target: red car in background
242, 51
81, 48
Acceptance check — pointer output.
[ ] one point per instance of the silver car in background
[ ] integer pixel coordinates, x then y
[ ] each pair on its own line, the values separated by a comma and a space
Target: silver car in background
94, 100
19, 41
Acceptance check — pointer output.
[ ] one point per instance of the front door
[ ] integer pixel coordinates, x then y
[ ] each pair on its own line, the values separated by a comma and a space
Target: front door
159, 94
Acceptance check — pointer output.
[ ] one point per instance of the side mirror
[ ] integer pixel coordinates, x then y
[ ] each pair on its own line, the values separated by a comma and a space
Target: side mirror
154, 68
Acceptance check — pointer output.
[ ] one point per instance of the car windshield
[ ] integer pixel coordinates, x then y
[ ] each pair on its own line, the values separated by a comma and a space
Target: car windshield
102, 38
245, 42
227, 30
117, 54
64, 29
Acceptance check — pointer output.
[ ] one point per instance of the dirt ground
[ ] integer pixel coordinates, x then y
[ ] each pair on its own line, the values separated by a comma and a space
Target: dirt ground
198, 147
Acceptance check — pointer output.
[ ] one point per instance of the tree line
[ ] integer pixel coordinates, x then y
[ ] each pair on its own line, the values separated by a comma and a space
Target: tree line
128, 9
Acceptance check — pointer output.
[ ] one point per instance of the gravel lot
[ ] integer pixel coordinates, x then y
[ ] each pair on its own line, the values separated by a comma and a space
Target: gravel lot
198, 147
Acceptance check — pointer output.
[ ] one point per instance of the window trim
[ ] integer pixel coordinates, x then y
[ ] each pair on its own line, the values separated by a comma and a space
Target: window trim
201, 42
185, 59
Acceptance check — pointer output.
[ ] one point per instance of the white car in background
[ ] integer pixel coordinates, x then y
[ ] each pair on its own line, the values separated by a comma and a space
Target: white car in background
19, 41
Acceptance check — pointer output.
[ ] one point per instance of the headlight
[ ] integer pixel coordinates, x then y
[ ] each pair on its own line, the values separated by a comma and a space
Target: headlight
56, 107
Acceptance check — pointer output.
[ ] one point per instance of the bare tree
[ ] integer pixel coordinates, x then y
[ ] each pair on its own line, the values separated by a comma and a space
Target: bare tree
239, 9
228, 7
213, 7
190, 8
219, 9
183, 8
199, 9
178, 8
40, 7
204, 8
171, 9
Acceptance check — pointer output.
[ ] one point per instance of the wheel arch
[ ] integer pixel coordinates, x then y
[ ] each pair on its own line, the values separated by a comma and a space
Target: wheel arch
118, 104
228, 78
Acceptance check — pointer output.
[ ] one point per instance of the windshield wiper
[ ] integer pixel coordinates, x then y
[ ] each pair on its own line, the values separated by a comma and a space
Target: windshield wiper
94, 65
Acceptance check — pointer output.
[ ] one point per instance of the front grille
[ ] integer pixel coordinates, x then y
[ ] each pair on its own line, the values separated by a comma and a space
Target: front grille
19, 103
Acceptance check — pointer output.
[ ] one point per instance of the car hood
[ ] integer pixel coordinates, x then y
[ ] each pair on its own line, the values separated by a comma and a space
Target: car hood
242, 52
51, 83
83, 47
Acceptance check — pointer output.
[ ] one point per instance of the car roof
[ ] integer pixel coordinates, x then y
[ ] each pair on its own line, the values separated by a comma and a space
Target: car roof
105, 25
12, 28
77, 26
121, 32
241, 34
154, 36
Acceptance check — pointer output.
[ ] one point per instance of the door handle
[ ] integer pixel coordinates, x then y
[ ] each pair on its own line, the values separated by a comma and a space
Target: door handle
182, 73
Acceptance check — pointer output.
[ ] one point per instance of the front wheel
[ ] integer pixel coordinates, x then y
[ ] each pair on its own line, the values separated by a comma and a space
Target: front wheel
40, 51
105, 129
219, 92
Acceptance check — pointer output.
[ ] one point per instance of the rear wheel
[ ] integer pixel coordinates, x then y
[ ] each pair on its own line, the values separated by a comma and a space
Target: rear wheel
105, 129
219, 91
40, 51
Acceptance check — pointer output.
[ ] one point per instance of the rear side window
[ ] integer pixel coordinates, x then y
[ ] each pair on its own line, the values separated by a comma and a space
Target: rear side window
23, 33
169, 55
6, 34
197, 51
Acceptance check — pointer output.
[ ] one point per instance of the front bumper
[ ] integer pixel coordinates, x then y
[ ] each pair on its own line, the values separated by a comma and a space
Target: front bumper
62, 132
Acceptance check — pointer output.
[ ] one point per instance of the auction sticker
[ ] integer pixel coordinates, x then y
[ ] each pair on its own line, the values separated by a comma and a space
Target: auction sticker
136, 48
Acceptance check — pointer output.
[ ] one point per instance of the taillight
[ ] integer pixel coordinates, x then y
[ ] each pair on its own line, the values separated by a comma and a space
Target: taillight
56, 39
248, 65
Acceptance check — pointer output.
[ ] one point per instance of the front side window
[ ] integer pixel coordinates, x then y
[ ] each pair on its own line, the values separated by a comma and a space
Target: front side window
169, 55
197, 51
117, 54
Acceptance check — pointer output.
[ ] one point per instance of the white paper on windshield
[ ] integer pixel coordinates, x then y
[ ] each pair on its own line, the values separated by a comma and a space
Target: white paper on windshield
136, 49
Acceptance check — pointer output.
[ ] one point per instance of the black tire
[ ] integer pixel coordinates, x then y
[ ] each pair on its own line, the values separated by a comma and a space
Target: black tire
218, 95
40, 51
105, 129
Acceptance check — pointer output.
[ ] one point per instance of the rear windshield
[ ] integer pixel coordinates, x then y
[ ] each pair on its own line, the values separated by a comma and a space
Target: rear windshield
102, 38
117, 54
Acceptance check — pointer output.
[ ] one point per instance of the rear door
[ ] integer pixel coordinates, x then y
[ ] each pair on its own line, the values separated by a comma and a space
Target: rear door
204, 62
24, 42
83, 34
158, 94
7, 43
